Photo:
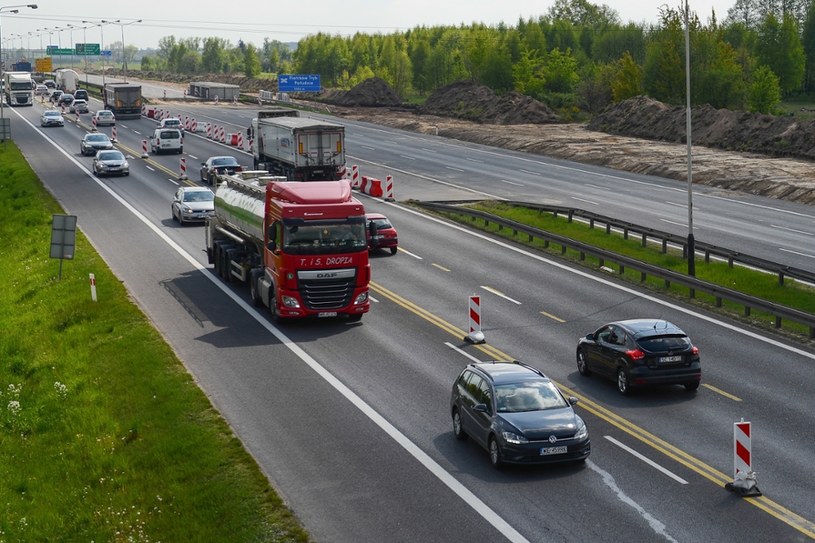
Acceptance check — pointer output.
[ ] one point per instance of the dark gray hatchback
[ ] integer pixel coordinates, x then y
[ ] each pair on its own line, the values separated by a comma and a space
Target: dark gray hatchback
517, 414
640, 352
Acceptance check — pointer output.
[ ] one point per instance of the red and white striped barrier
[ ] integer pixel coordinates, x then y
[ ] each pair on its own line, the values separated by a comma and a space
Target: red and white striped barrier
77, 117
187, 125
744, 478
355, 176
232, 139
144, 149
144, 111
371, 186
209, 130
182, 166
389, 188
475, 334
63, 109
93, 121
239, 144
113, 134
194, 125
222, 131
250, 145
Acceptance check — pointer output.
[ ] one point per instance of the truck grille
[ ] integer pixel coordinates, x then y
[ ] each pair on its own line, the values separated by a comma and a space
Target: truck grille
324, 295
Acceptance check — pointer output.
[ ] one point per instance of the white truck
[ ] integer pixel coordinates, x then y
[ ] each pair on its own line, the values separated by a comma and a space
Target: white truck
18, 88
298, 148
67, 80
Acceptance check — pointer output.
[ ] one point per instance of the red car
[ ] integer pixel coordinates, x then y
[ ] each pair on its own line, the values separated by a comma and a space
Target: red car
381, 233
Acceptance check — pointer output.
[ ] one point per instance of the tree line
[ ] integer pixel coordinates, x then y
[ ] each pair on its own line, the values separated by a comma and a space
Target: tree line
577, 57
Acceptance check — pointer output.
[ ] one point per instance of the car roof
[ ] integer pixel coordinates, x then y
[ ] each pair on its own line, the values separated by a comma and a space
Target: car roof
195, 189
104, 112
501, 371
370, 216
649, 327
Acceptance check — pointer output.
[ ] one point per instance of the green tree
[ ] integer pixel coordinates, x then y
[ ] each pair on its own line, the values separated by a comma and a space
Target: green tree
626, 78
764, 93
213, 55
560, 68
664, 69
527, 74
251, 61
780, 48
594, 90
808, 43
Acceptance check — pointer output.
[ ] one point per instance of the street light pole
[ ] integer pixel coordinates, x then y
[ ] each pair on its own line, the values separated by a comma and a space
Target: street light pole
691, 241
124, 58
8, 9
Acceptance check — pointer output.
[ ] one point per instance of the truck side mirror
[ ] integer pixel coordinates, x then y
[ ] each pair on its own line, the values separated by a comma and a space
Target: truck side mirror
272, 246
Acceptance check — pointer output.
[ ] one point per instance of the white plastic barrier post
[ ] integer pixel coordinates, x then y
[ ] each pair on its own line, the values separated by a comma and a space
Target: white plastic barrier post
474, 317
223, 134
144, 149
355, 176
183, 169
113, 134
250, 145
93, 286
209, 130
744, 478
389, 188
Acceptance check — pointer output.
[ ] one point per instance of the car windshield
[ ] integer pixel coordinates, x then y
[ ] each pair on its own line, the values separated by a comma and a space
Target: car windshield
96, 137
104, 114
199, 196
382, 224
52, 114
228, 161
111, 155
528, 396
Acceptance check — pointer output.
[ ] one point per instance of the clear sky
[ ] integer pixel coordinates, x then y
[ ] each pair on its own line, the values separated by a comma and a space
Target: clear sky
253, 20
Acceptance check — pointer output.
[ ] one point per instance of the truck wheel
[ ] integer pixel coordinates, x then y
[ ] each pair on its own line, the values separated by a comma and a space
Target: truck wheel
393, 250
254, 293
273, 309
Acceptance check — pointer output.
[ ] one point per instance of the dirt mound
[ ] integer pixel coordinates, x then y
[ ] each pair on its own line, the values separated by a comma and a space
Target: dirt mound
643, 117
373, 92
472, 102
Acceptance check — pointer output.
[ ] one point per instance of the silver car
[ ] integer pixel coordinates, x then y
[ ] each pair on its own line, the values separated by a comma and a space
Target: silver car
193, 204
52, 117
104, 117
111, 162
78, 106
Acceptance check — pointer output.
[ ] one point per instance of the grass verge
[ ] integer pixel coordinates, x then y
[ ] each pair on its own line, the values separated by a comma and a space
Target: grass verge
755, 283
104, 436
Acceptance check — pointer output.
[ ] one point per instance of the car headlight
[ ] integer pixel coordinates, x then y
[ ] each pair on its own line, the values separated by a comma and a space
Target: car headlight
289, 301
513, 438
582, 429
186, 209
361, 298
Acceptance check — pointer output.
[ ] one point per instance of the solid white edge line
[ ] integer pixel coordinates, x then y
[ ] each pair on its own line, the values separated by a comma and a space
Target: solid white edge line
462, 352
431, 465
647, 460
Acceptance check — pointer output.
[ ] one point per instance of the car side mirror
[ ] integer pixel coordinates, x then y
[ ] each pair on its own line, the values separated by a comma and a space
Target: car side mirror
203, 164
573, 400
480, 407
590, 337
272, 246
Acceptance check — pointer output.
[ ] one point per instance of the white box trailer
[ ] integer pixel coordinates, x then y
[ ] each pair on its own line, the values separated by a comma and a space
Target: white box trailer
299, 149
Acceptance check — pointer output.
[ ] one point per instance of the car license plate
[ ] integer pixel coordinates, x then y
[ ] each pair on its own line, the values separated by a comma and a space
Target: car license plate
554, 450
675, 358
327, 314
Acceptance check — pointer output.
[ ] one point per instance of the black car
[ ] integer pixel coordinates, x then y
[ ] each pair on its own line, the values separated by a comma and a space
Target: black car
93, 142
517, 414
215, 165
81, 94
640, 352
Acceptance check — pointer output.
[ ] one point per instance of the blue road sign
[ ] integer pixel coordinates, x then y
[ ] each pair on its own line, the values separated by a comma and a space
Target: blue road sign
298, 83
106, 53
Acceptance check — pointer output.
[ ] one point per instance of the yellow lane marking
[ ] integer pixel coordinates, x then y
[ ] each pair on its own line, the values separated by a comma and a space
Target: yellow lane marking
722, 392
439, 266
778, 511
558, 319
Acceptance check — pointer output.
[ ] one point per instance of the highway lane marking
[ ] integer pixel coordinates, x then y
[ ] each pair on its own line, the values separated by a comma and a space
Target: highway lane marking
500, 294
462, 352
369, 148
408, 157
586, 201
792, 230
674, 223
796, 252
417, 257
558, 319
439, 266
761, 206
529, 172
150, 168
512, 183
454, 169
428, 150
648, 461
474, 160
446, 478
193, 157
608, 479
722, 392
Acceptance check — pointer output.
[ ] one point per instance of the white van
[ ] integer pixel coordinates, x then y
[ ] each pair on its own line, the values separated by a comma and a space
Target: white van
166, 140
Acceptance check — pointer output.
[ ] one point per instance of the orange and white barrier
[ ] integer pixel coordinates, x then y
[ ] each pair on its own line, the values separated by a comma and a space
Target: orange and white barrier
744, 478
209, 130
182, 168
222, 131
371, 186
144, 149
93, 121
475, 334
113, 134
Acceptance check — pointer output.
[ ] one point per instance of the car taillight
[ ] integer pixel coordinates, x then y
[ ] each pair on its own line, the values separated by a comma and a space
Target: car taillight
694, 350
635, 354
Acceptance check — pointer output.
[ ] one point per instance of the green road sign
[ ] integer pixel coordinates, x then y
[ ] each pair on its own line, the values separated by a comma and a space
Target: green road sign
55, 51
83, 49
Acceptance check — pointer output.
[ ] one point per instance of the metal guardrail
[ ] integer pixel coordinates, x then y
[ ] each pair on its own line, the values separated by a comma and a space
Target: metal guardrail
719, 293
666, 237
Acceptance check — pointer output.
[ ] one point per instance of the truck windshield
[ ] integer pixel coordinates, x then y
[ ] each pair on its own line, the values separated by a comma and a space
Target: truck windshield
25, 85
324, 237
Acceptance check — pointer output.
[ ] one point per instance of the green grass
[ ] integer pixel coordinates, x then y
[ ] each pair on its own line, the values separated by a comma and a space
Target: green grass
104, 436
755, 283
